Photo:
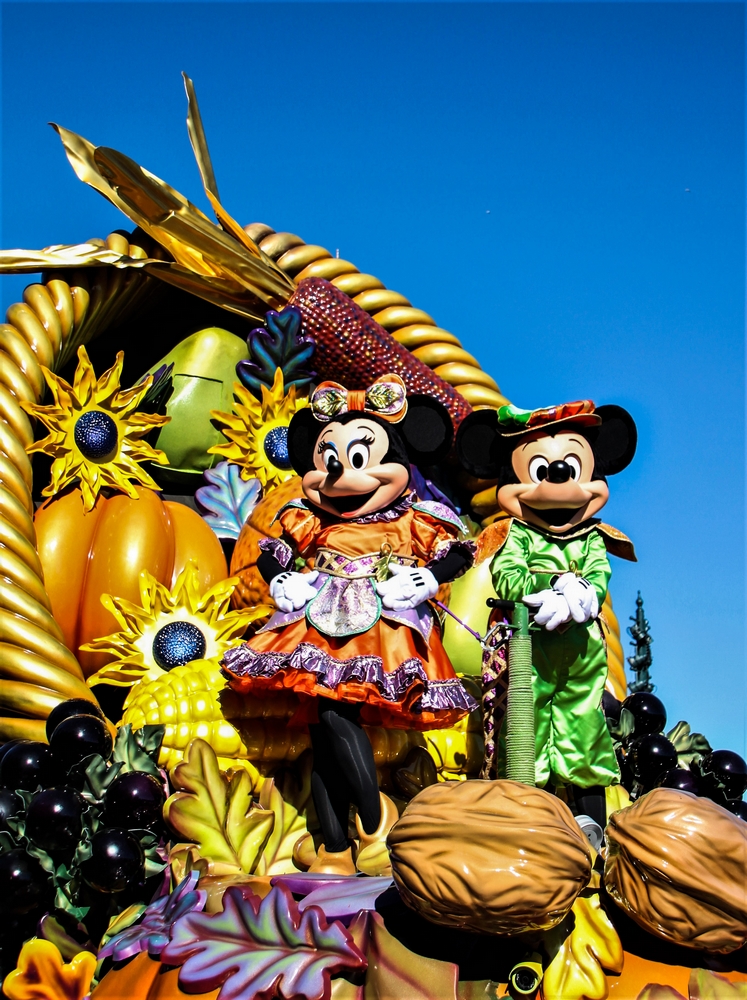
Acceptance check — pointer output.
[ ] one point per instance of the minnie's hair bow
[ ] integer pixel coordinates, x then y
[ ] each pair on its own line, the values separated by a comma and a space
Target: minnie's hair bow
386, 398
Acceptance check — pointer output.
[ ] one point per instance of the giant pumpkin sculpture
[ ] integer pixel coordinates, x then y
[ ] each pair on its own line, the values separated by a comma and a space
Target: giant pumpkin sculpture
86, 554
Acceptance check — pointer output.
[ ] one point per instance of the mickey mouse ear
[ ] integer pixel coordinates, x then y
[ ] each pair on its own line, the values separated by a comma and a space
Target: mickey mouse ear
481, 449
616, 439
426, 430
303, 431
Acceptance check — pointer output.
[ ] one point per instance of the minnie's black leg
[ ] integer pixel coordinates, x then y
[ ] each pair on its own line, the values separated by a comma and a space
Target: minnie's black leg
330, 791
354, 755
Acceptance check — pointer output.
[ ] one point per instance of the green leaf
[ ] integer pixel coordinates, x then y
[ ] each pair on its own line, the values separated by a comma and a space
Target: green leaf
6, 842
42, 857
624, 727
149, 842
688, 745
133, 751
97, 777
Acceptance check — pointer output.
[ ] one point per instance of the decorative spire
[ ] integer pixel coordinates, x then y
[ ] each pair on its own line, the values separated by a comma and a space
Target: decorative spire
641, 660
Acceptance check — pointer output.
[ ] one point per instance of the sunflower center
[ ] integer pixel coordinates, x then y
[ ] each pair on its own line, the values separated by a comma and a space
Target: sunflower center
276, 447
178, 643
96, 435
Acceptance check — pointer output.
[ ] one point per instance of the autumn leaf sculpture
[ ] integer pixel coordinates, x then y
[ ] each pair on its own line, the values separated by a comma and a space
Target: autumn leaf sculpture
216, 812
261, 949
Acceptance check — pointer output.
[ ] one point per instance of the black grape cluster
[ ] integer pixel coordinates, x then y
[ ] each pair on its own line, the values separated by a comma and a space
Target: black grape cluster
648, 759
68, 846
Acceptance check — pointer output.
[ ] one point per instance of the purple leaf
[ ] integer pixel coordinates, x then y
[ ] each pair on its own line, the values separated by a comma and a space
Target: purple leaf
261, 949
152, 933
339, 899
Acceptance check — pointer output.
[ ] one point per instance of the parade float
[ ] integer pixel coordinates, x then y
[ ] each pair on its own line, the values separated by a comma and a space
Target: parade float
227, 455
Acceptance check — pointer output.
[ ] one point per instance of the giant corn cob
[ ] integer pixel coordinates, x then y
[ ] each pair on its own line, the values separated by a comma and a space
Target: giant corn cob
192, 701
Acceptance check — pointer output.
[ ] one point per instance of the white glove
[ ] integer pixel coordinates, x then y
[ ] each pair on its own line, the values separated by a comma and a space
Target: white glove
552, 608
581, 596
408, 587
291, 591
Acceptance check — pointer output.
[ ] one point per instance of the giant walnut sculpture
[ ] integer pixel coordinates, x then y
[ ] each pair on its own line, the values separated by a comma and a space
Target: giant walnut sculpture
677, 865
489, 856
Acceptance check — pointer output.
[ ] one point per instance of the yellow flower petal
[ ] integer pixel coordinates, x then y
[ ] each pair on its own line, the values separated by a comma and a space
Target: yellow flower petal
132, 646
250, 423
120, 469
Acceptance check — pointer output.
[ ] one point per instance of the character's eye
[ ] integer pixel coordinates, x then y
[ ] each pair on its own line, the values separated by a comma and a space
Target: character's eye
538, 469
358, 455
575, 465
329, 452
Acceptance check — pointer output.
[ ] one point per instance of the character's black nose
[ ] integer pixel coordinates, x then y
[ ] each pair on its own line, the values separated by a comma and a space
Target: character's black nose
335, 467
559, 472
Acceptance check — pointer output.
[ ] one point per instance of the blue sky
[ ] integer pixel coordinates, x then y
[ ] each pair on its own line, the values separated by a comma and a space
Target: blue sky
561, 185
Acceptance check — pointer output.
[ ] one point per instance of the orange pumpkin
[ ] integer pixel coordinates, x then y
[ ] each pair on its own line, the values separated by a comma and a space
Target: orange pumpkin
85, 555
252, 589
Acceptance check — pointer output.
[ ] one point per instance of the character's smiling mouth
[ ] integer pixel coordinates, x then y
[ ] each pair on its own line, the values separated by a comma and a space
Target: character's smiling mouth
555, 516
345, 505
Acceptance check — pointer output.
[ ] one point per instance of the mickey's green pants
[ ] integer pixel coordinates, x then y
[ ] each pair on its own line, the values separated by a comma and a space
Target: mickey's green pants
573, 744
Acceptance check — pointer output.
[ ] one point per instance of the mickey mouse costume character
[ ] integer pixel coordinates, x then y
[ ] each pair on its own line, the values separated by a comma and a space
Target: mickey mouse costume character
356, 638
551, 552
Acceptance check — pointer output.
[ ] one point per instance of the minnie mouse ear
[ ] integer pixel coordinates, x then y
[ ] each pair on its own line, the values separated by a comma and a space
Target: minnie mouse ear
615, 441
303, 431
480, 448
427, 430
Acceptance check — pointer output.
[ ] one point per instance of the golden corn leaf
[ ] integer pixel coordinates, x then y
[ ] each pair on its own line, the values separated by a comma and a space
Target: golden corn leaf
42, 975
247, 827
374, 859
577, 972
215, 811
277, 858
616, 798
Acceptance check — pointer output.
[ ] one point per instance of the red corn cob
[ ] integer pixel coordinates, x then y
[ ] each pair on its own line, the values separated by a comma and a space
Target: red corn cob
353, 349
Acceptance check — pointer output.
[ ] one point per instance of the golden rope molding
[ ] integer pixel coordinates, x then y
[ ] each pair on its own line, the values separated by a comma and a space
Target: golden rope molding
411, 327
37, 670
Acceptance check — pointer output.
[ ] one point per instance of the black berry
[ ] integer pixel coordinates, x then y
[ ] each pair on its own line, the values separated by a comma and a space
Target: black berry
135, 801
23, 884
54, 819
68, 709
116, 861
650, 758
29, 765
79, 737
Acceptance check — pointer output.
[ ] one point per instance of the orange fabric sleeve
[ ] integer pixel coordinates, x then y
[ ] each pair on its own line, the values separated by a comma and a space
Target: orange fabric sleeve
302, 527
430, 536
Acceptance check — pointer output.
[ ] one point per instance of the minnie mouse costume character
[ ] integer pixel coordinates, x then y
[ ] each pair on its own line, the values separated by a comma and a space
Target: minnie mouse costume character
551, 552
355, 638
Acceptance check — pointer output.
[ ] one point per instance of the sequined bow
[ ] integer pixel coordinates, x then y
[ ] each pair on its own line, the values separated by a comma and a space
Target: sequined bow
387, 398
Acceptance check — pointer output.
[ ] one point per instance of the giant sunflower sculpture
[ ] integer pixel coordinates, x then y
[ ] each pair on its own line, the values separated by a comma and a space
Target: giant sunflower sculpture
170, 628
258, 432
95, 432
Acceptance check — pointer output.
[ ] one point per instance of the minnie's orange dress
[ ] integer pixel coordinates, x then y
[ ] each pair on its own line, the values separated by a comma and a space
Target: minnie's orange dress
344, 644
